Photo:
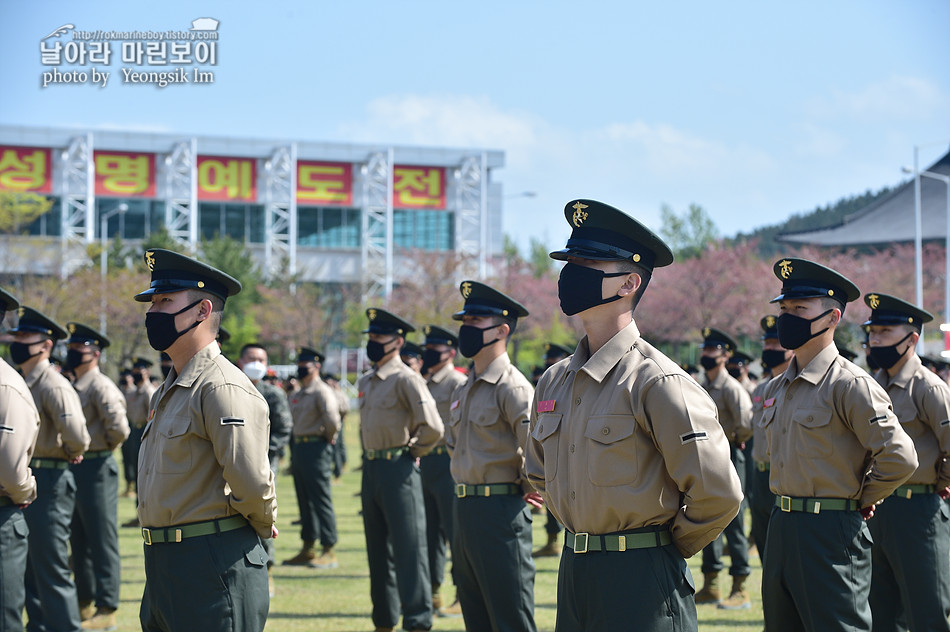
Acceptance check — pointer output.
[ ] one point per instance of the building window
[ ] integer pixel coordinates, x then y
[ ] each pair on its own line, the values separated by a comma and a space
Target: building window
328, 227
242, 222
425, 230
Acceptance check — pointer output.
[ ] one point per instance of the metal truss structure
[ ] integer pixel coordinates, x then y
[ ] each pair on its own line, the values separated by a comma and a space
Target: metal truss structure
471, 222
377, 228
78, 202
280, 211
181, 206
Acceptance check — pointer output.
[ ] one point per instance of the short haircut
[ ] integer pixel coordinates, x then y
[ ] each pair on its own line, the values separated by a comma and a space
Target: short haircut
511, 321
626, 265
829, 303
253, 345
217, 306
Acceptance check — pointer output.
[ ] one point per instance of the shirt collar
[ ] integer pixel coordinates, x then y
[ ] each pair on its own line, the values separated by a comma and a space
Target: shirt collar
816, 369
719, 381
86, 379
197, 364
37, 371
392, 367
907, 371
442, 373
495, 370
607, 357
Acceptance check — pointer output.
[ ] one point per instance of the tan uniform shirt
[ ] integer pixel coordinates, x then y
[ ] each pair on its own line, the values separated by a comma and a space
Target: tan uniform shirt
734, 405
442, 384
832, 434
19, 426
343, 402
488, 426
103, 406
760, 444
315, 411
396, 410
625, 439
747, 384
921, 402
204, 449
136, 403
63, 433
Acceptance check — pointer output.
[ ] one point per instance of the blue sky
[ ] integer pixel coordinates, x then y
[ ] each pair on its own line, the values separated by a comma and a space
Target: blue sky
754, 110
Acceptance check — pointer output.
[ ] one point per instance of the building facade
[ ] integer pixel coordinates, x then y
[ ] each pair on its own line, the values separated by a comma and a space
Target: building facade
325, 212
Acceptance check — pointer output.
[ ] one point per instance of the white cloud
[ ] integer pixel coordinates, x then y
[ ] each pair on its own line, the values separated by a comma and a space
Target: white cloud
896, 97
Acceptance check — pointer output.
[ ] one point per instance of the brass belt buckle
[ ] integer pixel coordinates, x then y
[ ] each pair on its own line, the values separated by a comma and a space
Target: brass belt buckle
487, 491
580, 542
460, 490
786, 503
622, 543
177, 535
371, 455
147, 536
910, 493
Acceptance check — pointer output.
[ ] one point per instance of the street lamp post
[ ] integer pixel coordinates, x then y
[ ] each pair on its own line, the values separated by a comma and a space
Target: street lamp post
104, 261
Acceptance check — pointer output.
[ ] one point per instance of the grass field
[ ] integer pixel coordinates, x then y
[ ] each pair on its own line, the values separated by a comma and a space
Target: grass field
338, 600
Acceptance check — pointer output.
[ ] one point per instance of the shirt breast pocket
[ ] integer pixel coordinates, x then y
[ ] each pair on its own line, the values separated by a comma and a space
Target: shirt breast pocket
811, 426
175, 453
612, 459
547, 432
486, 417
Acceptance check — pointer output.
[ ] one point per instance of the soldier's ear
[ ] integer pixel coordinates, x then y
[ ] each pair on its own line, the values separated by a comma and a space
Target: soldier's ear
631, 284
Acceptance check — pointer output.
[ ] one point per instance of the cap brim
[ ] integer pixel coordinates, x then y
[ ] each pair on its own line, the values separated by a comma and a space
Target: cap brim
582, 253
146, 296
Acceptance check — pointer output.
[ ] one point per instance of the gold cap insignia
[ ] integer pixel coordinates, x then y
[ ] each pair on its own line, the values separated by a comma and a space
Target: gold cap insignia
466, 289
785, 268
770, 321
150, 260
372, 314
706, 332
21, 311
579, 215
428, 330
874, 300
71, 327
831, 292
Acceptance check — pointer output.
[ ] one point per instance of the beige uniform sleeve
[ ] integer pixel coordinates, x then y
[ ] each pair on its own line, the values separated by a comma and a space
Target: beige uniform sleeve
893, 457
935, 411
112, 411
515, 403
533, 452
69, 419
19, 425
741, 403
238, 425
425, 428
329, 410
686, 430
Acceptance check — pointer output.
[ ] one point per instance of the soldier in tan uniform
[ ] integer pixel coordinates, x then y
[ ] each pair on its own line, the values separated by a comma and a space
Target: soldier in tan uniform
775, 359
206, 490
411, 355
50, 591
836, 449
343, 404
19, 425
910, 558
625, 448
488, 426
735, 416
438, 487
399, 423
316, 415
95, 535
738, 367
136, 409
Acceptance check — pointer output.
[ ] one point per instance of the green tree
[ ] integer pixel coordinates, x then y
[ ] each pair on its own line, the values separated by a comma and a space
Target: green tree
540, 261
19, 210
687, 234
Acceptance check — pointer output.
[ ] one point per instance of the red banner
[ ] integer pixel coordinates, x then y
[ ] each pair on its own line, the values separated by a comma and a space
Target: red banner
26, 169
324, 183
227, 179
419, 187
125, 174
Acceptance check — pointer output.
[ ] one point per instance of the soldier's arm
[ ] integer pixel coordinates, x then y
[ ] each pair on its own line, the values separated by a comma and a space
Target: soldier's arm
867, 410
935, 412
19, 424
281, 423
684, 423
533, 452
515, 404
743, 415
112, 409
236, 422
66, 411
426, 427
330, 413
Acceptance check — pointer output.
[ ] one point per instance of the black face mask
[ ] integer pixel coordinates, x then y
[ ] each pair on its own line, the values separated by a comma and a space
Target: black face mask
794, 331
772, 358
472, 340
735, 372
708, 362
74, 358
886, 357
376, 351
872, 364
161, 329
580, 288
303, 372
137, 378
20, 352
430, 358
